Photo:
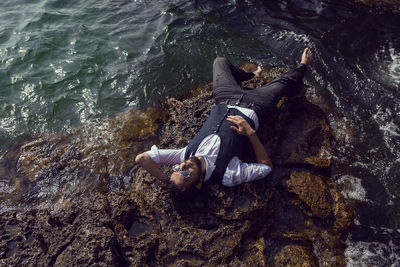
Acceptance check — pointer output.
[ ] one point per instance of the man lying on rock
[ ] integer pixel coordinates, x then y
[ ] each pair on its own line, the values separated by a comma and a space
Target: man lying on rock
213, 154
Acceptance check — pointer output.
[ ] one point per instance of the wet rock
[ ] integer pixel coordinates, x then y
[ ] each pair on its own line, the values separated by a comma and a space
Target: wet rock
292, 255
87, 203
343, 212
304, 135
312, 190
106, 146
76, 236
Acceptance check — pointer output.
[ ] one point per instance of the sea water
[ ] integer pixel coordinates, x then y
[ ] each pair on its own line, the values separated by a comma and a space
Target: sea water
66, 63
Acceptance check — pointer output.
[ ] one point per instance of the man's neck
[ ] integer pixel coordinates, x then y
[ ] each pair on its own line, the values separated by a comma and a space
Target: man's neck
203, 167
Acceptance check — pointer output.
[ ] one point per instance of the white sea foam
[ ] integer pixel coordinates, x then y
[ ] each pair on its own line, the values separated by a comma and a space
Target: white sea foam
73, 84
394, 65
390, 130
16, 78
71, 50
88, 106
58, 70
343, 129
284, 34
352, 188
389, 59
9, 61
113, 83
27, 91
8, 123
363, 253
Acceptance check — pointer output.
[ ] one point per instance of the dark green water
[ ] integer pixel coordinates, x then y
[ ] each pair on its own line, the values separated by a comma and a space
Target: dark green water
63, 63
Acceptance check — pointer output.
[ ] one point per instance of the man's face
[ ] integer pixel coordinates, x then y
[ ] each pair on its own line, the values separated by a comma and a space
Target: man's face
194, 167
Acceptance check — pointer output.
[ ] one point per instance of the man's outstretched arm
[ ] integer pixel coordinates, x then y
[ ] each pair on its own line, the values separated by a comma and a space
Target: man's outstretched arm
146, 162
243, 128
261, 153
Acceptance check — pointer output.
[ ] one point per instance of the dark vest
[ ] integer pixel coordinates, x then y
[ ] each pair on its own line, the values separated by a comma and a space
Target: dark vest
232, 143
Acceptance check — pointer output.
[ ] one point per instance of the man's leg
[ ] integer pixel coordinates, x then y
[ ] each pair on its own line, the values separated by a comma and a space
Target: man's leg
227, 78
288, 84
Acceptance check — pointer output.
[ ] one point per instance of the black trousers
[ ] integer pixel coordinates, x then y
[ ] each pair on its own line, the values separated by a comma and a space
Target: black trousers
227, 89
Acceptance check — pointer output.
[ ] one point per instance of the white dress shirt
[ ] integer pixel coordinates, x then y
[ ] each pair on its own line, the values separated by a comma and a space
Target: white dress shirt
237, 172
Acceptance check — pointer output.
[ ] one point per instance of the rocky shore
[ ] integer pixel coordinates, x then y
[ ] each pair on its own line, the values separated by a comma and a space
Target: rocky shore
76, 198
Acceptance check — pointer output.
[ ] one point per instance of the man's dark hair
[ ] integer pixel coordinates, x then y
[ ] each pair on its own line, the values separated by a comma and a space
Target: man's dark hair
197, 162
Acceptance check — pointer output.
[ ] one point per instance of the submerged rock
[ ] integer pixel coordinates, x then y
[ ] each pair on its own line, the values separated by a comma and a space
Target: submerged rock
85, 202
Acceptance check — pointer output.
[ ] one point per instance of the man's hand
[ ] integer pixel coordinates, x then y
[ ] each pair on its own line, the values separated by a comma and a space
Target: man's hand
243, 127
149, 165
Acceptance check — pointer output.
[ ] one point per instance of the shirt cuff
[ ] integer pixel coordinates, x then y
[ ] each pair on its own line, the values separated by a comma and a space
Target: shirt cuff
154, 154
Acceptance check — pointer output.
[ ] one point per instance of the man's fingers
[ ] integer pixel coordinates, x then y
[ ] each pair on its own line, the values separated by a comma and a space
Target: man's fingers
235, 129
234, 119
231, 119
